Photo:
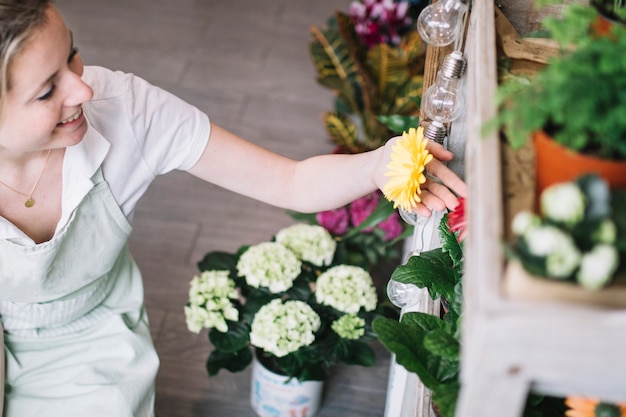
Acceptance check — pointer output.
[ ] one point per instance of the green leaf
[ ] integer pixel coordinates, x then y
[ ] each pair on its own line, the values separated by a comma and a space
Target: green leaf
308, 218
218, 261
360, 354
424, 321
445, 397
407, 344
236, 339
256, 299
231, 361
441, 343
399, 124
431, 269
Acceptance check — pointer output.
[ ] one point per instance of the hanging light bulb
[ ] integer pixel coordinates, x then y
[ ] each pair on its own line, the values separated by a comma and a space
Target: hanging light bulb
436, 132
402, 295
440, 23
443, 101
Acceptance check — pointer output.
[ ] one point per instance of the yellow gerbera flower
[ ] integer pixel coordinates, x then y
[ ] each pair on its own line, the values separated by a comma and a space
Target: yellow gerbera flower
408, 161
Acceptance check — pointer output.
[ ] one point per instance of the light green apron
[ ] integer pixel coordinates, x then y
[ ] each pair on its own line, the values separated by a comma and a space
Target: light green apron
76, 337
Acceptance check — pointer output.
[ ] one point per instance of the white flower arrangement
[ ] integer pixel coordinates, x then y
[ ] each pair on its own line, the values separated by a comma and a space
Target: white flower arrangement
269, 265
349, 326
286, 301
576, 236
284, 327
310, 243
346, 288
210, 305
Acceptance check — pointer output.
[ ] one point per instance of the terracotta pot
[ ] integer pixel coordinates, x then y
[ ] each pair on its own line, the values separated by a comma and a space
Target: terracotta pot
555, 164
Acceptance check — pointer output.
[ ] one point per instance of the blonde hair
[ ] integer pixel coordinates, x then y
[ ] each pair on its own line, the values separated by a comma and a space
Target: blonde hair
18, 20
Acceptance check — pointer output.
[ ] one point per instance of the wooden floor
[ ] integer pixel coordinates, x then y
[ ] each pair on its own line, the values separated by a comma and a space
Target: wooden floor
246, 63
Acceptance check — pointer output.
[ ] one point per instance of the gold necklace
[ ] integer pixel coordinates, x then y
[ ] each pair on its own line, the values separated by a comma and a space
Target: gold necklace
29, 197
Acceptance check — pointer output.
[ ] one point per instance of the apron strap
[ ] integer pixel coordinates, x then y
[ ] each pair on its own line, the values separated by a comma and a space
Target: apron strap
1, 368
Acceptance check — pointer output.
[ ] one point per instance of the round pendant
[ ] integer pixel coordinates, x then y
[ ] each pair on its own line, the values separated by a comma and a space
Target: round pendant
30, 202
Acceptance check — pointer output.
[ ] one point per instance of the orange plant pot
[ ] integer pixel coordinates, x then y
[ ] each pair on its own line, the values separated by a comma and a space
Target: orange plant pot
555, 163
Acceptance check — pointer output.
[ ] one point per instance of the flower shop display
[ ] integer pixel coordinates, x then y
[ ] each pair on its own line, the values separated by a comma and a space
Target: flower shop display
289, 302
373, 59
579, 236
576, 100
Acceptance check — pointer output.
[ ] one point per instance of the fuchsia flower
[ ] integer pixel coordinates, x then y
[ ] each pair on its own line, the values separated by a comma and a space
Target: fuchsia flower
379, 21
392, 227
335, 221
456, 220
361, 208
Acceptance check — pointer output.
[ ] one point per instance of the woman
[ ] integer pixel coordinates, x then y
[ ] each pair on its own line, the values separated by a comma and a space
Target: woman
78, 148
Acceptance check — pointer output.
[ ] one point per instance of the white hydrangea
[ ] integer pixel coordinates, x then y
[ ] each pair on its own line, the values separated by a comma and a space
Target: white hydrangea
523, 221
269, 265
562, 256
597, 266
606, 232
281, 328
311, 243
209, 302
346, 288
349, 326
564, 203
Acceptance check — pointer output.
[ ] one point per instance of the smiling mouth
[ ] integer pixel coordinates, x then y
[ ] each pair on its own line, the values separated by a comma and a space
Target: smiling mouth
71, 118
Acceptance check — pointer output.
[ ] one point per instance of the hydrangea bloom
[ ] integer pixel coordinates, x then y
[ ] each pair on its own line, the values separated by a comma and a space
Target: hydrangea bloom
346, 288
564, 203
606, 233
310, 243
361, 208
349, 326
561, 254
523, 222
209, 302
282, 328
597, 267
335, 221
270, 265
392, 227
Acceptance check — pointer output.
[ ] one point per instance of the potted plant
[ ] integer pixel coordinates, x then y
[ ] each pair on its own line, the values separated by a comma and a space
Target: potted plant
576, 245
287, 307
573, 107
373, 60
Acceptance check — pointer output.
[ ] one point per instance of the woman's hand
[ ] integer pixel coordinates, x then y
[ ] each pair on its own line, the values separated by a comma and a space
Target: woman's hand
442, 186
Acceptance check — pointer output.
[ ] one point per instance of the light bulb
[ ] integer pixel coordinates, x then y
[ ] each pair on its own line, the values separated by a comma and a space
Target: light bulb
443, 101
402, 295
440, 23
411, 217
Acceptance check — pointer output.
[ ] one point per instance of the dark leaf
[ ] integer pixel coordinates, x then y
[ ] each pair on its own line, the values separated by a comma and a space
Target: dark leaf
233, 341
231, 361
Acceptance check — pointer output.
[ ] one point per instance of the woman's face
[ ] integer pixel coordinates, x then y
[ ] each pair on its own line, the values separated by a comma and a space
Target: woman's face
43, 107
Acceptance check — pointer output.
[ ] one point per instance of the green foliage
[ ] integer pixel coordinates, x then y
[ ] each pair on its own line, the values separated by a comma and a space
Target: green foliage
425, 344
612, 9
232, 350
579, 98
382, 80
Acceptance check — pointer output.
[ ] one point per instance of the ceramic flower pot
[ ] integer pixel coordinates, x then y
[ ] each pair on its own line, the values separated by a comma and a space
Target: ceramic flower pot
273, 395
555, 164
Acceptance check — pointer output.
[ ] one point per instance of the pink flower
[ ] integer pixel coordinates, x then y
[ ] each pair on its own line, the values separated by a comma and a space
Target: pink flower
335, 221
392, 227
456, 220
361, 208
379, 21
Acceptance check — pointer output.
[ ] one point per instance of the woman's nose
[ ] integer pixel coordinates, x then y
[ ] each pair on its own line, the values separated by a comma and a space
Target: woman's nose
78, 91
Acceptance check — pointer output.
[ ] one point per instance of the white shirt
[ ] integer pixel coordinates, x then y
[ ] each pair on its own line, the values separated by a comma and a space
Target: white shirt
136, 132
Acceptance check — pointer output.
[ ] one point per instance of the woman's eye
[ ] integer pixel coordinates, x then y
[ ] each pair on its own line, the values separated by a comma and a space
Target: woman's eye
48, 93
73, 53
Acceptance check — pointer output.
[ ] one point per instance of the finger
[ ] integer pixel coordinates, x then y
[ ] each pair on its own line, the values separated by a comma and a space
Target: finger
438, 196
447, 176
439, 151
